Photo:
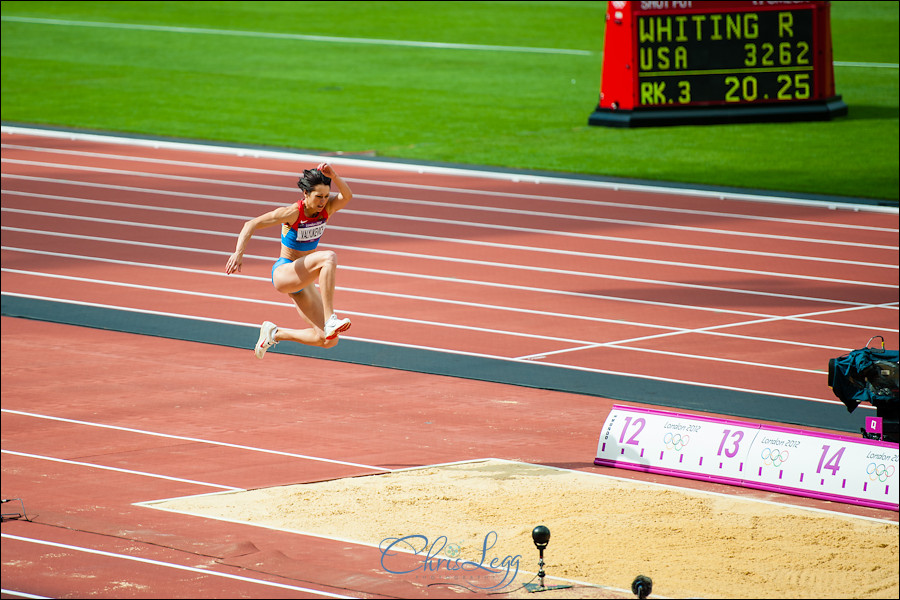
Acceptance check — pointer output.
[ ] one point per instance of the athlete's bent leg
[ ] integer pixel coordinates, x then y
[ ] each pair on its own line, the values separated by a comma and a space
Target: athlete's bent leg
326, 262
315, 305
309, 304
309, 336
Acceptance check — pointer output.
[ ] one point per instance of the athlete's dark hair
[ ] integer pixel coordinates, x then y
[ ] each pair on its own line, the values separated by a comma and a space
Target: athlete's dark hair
311, 178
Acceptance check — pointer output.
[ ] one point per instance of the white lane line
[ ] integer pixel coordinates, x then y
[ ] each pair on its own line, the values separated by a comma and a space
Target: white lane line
730, 388
19, 594
865, 65
482, 263
465, 241
206, 572
340, 288
242, 201
418, 276
711, 330
455, 280
273, 303
396, 167
193, 439
117, 469
618, 346
594, 203
282, 189
646, 224
582, 344
348, 312
612, 257
297, 36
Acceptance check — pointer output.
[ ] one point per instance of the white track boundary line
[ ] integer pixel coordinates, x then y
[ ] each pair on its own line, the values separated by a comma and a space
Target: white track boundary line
351, 40
388, 215
801, 257
461, 172
416, 186
193, 439
169, 565
298, 37
118, 470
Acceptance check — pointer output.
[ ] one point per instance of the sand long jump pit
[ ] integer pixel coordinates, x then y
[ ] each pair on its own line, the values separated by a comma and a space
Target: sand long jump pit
468, 525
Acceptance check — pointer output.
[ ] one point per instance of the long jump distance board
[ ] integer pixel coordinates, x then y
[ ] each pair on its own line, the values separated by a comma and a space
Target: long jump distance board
779, 459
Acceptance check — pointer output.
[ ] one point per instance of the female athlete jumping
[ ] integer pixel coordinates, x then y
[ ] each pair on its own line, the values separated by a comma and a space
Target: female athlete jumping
301, 265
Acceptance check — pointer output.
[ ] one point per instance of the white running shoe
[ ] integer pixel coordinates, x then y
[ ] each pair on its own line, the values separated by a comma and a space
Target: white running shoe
334, 326
266, 338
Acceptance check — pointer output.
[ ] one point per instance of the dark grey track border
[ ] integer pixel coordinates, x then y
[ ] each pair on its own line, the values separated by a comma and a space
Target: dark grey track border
621, 388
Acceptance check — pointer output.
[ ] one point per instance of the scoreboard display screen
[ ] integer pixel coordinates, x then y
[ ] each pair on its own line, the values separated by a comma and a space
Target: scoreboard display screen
675, 62
725, 57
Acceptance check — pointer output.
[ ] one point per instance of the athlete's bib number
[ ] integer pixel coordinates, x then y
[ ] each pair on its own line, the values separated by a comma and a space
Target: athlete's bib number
307, 233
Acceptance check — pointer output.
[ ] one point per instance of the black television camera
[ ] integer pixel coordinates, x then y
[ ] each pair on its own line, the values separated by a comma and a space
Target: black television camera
869, 375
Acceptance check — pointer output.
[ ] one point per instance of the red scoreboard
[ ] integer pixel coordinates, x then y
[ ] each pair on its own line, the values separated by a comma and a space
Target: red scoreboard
669, 63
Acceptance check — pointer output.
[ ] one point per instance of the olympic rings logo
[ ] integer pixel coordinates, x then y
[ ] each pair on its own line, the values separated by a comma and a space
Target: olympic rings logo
676, 441
880, 472
774, 456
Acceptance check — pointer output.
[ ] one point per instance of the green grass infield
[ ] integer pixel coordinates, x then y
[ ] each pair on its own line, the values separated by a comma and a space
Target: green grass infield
501, 84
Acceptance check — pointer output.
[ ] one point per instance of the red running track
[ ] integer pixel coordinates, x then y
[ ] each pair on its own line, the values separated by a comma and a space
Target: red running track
745, 295
736, 293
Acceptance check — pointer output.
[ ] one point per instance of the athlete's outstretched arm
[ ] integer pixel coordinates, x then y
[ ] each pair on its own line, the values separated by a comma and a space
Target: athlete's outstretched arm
279, 215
